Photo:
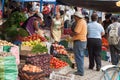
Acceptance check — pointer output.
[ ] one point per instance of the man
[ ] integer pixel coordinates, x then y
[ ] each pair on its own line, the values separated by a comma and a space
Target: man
79, 38
94, 42
106, 22
114, 39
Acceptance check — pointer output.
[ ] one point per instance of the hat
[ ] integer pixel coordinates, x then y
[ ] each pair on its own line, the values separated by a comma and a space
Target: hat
40, 15
78, 14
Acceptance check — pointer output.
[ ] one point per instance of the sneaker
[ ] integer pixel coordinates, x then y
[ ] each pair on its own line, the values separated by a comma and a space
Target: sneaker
78, 73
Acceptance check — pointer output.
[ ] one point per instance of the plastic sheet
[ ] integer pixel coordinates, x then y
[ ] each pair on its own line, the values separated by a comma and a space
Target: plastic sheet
8, 68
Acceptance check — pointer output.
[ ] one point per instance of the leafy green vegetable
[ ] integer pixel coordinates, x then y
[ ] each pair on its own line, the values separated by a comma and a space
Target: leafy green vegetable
39, 49
22, 32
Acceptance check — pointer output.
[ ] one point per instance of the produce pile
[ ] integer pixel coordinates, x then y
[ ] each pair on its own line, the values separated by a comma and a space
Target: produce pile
55, 63
31, 72
12, 26
33, 37
32, 43
5, 43
39, 49
59, 49
31, 68
104, 42
42, 61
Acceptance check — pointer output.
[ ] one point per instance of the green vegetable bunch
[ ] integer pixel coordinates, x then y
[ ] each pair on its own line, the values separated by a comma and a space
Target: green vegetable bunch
15, 19
39, 49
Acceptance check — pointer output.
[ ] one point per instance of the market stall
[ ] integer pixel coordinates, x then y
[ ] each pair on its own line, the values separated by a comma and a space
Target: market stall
41, 2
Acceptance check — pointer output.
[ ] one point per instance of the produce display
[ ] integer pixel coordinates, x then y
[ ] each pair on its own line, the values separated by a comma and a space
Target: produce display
33, 43
39, 49
56, 63
5, 43
104, 42
31, 68
5, 54
33, 37
12, 24
59, 49
42, 61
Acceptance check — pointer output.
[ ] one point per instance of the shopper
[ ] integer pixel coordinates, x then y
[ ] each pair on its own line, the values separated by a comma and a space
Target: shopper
94, 43
56, 28
46, 13
106, 22
79, 37
114, 39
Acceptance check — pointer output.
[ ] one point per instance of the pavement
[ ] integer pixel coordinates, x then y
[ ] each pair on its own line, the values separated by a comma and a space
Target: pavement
91, 74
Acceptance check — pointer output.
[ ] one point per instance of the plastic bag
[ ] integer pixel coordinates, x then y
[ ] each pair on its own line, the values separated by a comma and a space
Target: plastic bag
8, 68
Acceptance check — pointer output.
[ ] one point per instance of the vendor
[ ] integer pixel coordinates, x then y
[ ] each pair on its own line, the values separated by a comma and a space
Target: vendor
33, 24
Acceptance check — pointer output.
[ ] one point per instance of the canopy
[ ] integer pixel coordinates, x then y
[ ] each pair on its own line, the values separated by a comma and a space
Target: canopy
100, 5
35, 0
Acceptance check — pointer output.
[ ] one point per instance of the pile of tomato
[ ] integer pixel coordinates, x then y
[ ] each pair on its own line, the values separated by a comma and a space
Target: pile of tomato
56, 63
33, 37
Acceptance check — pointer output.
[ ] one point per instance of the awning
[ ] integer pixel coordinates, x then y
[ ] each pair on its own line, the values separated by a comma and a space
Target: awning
35, 0
99, 5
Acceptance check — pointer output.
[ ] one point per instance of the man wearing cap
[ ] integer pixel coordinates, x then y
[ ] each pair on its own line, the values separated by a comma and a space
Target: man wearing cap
79, 38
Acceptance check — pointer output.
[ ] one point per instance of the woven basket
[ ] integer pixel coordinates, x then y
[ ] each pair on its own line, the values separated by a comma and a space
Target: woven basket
31, 76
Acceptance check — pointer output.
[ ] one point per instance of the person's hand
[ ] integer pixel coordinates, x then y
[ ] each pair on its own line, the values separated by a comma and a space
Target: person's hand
72, 34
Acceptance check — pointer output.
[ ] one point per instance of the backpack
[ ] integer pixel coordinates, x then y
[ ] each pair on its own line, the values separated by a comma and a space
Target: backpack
114, 38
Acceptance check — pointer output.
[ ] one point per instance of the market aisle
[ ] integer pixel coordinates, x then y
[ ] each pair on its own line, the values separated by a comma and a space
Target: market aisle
91, 74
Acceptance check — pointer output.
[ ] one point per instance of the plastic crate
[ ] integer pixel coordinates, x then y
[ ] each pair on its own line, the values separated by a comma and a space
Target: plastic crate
58, 76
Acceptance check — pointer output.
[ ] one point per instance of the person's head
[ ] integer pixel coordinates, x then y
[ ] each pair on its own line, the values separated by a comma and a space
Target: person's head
87, 19
114, 18
58, 15
107, 16
94, 17
40, 17
78, 15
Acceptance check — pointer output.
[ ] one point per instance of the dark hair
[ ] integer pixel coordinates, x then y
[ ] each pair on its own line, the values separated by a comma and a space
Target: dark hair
114, 18
94, 17
108, 15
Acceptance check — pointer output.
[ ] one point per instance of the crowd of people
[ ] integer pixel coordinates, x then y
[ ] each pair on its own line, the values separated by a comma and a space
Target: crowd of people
85, 33
92, 33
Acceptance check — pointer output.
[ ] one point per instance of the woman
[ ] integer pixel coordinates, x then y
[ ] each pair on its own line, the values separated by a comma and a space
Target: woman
33, 24
95, 31
56, 28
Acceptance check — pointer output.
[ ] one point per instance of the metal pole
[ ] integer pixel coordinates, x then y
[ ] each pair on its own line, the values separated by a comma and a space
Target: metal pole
3, 6
41, 2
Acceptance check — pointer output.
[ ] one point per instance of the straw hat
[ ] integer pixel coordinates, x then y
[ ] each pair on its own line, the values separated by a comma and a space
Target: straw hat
78, 14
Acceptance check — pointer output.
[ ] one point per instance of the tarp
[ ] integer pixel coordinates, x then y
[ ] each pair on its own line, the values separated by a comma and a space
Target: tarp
99, 5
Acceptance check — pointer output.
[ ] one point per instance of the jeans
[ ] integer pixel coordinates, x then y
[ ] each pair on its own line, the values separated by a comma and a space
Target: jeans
79, 49
114, 54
